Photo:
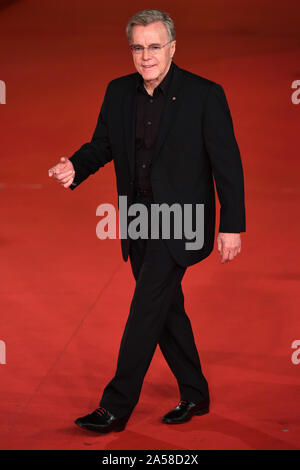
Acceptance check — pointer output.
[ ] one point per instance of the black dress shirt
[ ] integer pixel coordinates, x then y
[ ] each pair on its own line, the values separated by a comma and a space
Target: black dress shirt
148, 113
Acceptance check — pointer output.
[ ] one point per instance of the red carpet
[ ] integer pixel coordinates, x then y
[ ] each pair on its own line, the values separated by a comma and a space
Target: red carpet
60, 318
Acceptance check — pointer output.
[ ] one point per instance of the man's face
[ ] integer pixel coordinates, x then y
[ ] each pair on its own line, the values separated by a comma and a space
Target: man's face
152, 66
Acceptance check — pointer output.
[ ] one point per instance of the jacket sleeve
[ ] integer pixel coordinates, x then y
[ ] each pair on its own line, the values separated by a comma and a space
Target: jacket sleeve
225, 159
96, 153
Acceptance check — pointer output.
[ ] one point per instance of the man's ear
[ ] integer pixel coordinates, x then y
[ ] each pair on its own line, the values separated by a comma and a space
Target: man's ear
173, 46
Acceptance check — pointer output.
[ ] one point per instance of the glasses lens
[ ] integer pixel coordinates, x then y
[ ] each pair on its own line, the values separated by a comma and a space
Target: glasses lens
136, 49
153, 49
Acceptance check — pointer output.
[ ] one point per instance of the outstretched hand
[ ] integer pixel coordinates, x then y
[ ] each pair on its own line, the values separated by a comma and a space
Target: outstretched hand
229, 245
63, 172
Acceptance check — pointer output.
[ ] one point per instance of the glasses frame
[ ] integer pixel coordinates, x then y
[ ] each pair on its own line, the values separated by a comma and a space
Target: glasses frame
148, 48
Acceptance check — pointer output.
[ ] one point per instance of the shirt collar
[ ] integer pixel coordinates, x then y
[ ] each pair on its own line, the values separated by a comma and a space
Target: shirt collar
163, 84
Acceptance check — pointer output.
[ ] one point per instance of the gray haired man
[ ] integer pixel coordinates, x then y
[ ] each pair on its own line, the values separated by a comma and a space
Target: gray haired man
170, 135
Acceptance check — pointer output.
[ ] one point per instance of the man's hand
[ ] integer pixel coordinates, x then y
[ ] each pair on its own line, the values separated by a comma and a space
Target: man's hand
229, 245
63, 172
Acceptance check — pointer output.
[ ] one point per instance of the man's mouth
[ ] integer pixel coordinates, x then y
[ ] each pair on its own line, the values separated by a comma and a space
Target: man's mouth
147, 66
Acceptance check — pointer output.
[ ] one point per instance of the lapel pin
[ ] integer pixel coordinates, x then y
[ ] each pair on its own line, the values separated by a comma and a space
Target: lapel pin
173, 98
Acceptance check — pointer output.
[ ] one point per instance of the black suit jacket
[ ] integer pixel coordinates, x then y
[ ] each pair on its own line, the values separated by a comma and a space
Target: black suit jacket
195, 145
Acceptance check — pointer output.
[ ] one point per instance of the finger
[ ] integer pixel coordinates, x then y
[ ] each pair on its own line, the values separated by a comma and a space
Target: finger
65, 180
65, 174
63, 164
57, 169
233, 252
220, 244
225, 255
62, 167
68, 183
224, 258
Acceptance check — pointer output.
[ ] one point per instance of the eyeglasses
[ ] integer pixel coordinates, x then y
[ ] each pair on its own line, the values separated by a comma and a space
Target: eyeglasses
152, 49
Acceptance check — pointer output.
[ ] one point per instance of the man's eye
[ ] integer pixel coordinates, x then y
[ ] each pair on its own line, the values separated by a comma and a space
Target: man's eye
138, 48
154, 48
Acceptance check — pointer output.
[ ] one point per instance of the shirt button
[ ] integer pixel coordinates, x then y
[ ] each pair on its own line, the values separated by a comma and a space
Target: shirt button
143, 165
149, 123
151, 101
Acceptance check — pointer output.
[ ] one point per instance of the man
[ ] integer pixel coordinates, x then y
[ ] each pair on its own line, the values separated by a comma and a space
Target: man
168, 132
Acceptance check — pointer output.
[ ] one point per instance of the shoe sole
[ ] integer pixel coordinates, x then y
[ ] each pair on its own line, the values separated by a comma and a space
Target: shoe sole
118, 428
202, 412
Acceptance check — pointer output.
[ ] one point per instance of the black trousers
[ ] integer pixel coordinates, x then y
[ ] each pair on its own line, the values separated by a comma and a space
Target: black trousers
157, 316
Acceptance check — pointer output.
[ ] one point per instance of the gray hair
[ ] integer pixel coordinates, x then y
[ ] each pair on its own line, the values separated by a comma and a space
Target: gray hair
145, 17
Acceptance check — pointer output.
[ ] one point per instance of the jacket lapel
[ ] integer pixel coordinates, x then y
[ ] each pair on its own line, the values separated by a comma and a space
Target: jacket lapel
129, 119
169, 114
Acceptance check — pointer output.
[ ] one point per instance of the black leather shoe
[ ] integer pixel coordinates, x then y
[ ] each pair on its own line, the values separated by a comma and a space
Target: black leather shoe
101, 420
185, 410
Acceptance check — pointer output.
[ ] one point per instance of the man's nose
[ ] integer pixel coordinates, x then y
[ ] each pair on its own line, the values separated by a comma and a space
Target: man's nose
146, 54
